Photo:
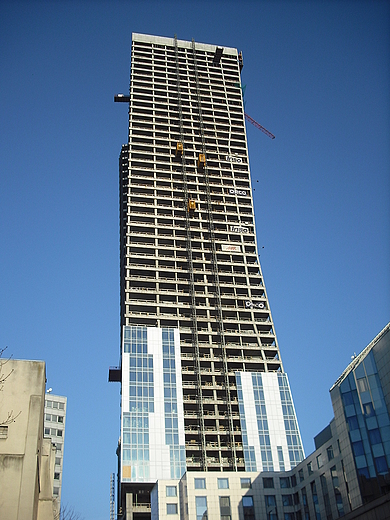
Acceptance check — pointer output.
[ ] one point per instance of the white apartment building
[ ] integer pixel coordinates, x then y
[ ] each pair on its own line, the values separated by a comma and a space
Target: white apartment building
54, 428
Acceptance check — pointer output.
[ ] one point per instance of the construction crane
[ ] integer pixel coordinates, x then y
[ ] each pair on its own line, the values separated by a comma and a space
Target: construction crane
258, 125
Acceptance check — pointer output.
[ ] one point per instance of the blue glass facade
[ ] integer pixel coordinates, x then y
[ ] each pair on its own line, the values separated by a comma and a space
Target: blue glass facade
270, 435
177, 453
152, 410
135, 423
262, 423
294, 443
367, 419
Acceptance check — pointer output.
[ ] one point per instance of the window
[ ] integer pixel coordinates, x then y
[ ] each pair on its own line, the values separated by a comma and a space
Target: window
362, 384
3, 432
352, 423
270, 500
301, 477
171, 509
201, 508
223, 483
270, 504
224, 508
284, 482
315, 500
358, 448
268, 482
310, 468
368, 410
200, 483
171, 491
246, 483
56, 476
374, 436
293, 480
329, 452
319, 461
60, 419
381, 465
247, 501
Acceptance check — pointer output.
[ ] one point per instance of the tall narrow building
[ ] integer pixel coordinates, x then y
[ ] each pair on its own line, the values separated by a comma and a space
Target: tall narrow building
203, 385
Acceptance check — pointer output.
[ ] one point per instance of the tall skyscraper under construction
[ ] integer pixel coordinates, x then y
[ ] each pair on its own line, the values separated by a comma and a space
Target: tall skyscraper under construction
203, 385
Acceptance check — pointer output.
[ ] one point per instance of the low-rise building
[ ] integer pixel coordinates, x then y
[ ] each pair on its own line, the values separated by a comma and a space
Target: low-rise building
346, 476
27, 458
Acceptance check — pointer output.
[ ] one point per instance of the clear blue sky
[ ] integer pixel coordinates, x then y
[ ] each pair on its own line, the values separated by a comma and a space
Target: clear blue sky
317, 76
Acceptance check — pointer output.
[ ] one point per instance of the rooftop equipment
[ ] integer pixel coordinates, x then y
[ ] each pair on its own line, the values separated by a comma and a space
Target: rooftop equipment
217, 56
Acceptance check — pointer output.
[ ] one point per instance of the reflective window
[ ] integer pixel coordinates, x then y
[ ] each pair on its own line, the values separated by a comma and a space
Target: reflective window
171, 491
358, 448
171, 509
375, 436
247, 501
381, 465
270, 500
329, 453
319, 461
284, 482
352, 423
200, 483
223, 483
246, 483
268, 482
201, 508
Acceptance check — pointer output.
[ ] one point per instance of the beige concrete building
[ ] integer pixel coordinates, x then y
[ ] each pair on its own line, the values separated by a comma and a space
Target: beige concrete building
26, 457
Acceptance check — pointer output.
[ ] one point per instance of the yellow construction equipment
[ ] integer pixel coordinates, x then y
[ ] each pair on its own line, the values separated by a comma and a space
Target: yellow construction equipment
201, 161
191, 205
179, 149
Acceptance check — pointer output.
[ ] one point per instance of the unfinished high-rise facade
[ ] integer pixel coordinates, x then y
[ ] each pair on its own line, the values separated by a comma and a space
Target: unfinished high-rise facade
203, 385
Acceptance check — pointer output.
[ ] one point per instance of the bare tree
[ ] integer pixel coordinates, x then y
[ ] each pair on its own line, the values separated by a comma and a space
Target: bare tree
4, 375
67, 513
